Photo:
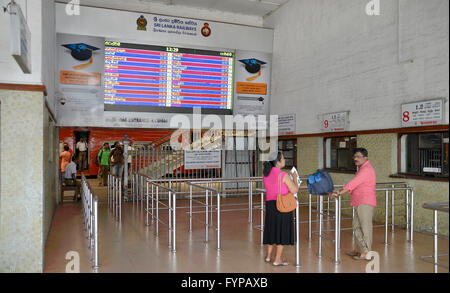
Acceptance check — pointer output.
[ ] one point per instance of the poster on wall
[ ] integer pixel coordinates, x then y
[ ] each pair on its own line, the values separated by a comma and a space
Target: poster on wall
422, 113
286, 124
252, 83
79, 78
202, 159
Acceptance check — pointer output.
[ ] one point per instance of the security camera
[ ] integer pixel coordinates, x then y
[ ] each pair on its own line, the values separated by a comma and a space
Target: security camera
62, 101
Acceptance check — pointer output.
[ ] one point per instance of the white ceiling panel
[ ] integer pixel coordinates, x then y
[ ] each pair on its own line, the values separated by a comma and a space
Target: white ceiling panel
254, 8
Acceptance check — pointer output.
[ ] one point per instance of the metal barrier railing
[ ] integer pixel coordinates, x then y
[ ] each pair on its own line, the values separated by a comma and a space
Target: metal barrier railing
171, 207
115, 196
209, 207
409, 211
435, 207
90, 216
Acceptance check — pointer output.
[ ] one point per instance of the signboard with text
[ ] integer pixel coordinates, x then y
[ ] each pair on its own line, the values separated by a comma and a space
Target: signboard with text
335, 122
202, 159
422, 113
287, 124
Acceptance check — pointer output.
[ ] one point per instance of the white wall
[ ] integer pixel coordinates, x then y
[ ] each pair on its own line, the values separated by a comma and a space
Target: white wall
49, 51
330, 56
122, 25
10, 71
238, 17
40, 16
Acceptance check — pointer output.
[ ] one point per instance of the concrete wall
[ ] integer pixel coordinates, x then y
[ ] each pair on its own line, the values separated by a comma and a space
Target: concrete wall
49, 51
330, 56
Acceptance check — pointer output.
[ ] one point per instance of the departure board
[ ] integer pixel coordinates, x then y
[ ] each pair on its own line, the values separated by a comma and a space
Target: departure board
167, 79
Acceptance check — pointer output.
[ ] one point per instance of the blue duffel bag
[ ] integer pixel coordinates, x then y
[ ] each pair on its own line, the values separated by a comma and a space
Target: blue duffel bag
320, 183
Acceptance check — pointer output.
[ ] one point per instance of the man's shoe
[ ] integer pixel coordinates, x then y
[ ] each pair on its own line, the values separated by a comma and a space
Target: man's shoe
353, 253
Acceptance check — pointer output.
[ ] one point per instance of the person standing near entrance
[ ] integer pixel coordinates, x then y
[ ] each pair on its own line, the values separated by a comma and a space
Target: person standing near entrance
82, 153
116, 160
363, 199
103, 157
66, 158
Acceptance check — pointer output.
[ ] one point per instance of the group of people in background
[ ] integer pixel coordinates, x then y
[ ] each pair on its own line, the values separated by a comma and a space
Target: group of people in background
68, 169
110, 161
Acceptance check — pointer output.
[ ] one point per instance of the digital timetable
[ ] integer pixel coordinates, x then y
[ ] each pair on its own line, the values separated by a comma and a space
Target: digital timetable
167, 79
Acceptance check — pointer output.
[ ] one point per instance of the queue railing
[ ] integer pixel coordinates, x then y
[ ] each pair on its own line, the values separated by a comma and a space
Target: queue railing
154, 211
90, 217
115, 196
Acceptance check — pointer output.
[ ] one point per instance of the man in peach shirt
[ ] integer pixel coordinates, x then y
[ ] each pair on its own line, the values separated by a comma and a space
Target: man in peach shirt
65, 157
363, 198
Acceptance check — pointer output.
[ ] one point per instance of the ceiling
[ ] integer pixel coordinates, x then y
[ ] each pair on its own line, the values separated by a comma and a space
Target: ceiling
257, 8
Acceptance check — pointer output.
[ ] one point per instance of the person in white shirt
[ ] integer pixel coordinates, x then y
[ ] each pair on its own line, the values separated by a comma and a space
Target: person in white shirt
82, 153
70, 178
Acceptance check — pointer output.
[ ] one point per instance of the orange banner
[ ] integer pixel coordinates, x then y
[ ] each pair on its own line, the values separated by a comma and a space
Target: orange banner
251, 88
80, 78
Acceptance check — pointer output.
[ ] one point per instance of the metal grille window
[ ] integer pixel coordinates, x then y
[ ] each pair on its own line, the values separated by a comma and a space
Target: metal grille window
289, 150
338, 153
424, 154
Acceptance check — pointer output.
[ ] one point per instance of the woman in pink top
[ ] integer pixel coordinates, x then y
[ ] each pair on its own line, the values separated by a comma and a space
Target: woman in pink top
278, 227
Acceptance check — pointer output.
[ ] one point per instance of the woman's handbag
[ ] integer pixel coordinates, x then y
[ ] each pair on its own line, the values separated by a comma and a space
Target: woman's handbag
285, 203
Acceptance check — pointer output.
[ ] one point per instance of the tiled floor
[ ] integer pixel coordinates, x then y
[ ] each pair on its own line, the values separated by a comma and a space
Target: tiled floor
133, 247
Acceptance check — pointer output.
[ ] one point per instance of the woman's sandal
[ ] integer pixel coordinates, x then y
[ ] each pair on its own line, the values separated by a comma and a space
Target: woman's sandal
281, 264
358, 257
267, 260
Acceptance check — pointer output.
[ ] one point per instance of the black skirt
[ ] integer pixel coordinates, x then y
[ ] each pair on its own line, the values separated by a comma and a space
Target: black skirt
278, 227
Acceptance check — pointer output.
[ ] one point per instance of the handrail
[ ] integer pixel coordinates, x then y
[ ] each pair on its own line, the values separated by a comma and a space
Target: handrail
435, 207
206, 210
90, 215
115, 195
196, 184
209, 191
171, 208
439, 206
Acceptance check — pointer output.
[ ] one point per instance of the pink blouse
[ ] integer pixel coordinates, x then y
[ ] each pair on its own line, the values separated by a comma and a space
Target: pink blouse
362, 186
271, 184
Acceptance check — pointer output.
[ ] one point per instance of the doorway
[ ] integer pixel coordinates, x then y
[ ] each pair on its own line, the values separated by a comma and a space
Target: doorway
82, 159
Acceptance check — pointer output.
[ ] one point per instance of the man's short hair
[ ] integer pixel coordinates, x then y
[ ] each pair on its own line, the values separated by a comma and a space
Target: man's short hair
363, 151
105, 144
66, 147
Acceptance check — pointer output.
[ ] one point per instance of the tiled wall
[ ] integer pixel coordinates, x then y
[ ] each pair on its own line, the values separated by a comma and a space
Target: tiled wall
24, 218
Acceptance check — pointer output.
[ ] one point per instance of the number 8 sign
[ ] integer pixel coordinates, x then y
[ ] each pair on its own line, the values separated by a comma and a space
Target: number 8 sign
405, 116
325, 123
